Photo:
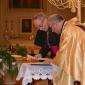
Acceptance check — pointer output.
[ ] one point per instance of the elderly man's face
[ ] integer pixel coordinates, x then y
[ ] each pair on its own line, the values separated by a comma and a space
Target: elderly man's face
39, 23
57, 27
45, 23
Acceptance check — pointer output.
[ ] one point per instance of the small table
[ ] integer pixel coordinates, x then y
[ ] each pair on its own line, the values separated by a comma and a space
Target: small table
31, 71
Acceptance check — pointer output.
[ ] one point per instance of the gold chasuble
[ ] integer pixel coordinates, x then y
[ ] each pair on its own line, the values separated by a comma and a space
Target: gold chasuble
71, 56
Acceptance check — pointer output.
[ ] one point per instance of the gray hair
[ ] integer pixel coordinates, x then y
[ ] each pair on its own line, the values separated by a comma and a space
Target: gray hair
55, 19
40, 16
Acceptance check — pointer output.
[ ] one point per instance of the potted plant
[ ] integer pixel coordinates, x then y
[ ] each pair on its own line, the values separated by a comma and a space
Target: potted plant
7, 63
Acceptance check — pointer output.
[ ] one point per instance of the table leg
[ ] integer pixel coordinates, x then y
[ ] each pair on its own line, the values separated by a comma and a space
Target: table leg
33, 82
29, 84
50, 82
77, 83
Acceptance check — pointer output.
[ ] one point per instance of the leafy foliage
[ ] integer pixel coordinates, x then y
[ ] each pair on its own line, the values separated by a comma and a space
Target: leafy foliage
21, 50
7, 62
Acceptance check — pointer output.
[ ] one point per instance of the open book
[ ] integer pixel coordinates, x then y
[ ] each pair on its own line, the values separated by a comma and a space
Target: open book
40, 60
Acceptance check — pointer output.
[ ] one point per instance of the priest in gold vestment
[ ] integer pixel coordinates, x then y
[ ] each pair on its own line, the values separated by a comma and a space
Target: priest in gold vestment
71, 55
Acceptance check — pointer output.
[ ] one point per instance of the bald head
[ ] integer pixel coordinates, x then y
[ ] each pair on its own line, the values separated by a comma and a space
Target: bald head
55, 21
40, 21
55, 18
40, 16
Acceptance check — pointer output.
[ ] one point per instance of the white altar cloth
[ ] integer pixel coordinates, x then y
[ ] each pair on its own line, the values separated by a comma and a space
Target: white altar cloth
34, 71
28, 72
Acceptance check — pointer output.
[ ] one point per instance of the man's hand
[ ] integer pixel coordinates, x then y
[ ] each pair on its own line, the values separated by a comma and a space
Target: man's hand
48, 61
38, 56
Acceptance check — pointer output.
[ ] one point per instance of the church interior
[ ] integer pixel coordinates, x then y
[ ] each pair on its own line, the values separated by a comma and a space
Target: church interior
17, 34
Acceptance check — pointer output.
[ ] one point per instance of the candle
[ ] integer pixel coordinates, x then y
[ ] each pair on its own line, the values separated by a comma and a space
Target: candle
79, 10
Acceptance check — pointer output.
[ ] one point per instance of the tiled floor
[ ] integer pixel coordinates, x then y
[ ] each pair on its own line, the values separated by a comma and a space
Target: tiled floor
39, 82
44, 82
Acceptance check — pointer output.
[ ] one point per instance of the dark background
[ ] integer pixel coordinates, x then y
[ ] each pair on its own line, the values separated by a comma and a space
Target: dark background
26, 25
37, 4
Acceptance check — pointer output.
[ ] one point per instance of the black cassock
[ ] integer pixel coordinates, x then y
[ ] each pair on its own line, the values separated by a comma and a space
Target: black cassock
46, 40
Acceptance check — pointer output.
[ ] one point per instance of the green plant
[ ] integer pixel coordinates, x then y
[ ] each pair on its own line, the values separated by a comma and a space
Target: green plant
21, 50
7, 62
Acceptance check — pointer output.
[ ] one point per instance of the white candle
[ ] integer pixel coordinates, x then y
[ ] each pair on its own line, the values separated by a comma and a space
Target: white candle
79, 10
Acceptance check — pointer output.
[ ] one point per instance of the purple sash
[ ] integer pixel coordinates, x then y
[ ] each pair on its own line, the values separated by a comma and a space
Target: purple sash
81, 27
54, 49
